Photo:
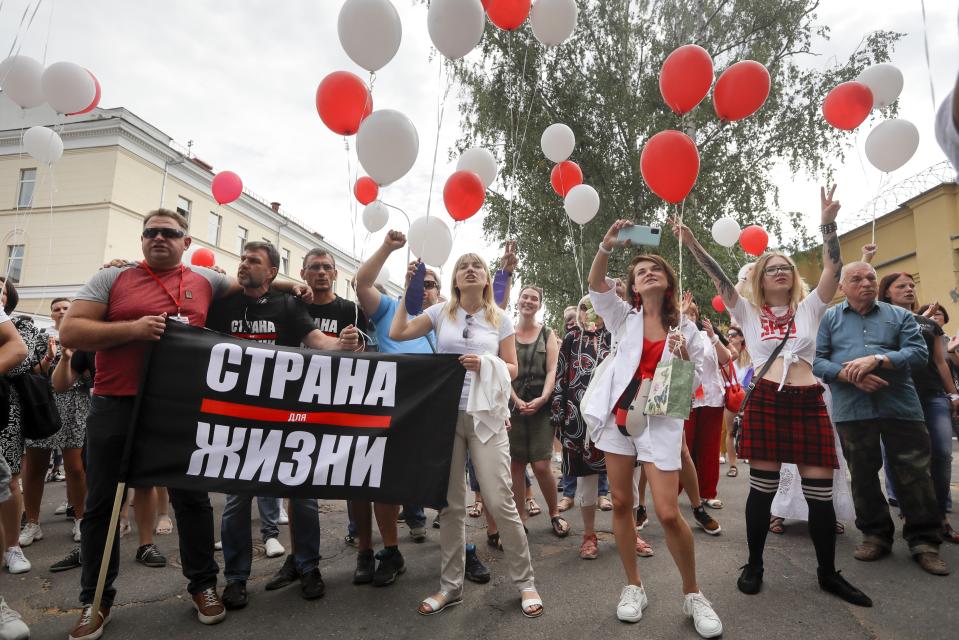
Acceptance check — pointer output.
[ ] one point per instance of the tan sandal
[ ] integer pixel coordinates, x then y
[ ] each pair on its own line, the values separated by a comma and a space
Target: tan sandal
437, 602
532, 509
643, 548
164, 525
565, 504
475, 510
605, 504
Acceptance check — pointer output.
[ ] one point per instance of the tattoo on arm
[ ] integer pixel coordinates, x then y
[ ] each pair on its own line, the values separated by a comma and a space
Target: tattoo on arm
834, 254
713, 270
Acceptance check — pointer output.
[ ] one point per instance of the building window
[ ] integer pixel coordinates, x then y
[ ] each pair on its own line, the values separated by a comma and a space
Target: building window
241, 233
183, 207
28, 181
285, 261
14, 266
213, 229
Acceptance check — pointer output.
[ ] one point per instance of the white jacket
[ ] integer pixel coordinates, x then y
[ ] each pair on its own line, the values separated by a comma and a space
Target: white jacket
488, 401
626, 325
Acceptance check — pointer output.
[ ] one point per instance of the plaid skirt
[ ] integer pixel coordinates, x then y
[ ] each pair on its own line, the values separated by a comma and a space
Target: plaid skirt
791, 425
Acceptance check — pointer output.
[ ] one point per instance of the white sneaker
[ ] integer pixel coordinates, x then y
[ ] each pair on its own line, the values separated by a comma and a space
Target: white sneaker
722, 459
15, 560
76, 529
62, 509
274, 549
218, 545
704, 618
11, 626
632, 601
30, 533
284, 518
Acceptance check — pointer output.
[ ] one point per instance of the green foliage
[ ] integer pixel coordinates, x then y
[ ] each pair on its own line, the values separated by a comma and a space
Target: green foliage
603, 83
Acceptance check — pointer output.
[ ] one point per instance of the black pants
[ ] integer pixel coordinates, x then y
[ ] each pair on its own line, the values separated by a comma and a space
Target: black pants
107, 426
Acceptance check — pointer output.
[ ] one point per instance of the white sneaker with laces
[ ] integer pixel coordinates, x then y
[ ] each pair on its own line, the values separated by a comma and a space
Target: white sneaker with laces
62, 509
273, 548
632, 601
11, 626
15, 560
30, 533
284, 517
76, 529
704, 618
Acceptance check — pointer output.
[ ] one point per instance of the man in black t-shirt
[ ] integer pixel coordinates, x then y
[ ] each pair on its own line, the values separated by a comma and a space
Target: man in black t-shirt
330, 313
263, 314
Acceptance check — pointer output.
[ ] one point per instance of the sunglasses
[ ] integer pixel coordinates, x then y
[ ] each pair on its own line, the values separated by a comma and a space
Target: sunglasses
166, 232
429, 284
733, 334
779, 268
467, 332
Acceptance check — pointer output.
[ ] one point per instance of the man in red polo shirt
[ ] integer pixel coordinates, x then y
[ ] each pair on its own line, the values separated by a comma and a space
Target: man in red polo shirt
117, 314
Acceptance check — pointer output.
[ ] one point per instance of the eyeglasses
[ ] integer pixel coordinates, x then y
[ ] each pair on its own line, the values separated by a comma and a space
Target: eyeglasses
429, 284
467, 333
779, 268
319, 266
166, 232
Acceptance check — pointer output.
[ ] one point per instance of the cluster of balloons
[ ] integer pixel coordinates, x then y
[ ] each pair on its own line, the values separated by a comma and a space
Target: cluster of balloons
580, 201
465, 190
893, 142
68, 88
753, 239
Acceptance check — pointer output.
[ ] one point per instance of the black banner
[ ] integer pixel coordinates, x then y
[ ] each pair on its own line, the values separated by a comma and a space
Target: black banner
224, 415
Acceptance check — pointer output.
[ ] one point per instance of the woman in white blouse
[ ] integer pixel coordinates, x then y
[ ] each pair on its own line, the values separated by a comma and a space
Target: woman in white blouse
471, 325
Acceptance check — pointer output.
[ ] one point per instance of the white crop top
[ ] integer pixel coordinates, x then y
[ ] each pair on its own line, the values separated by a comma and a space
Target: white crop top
762, 336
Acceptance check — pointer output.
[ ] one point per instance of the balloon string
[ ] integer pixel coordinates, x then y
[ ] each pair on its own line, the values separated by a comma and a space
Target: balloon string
510, 135
46, 269
441, 96
408, 226
46, 42
576, 258
925, 40
351, 205
21, 31
679, 286
875, 204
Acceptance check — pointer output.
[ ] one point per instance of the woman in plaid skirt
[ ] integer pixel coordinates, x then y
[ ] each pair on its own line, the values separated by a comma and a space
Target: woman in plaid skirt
785, 419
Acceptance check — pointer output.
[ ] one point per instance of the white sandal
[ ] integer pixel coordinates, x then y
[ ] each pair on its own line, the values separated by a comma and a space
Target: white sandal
446, 600
527, 603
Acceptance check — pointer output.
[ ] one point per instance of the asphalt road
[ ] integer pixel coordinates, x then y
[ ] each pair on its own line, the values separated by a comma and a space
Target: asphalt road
580, 596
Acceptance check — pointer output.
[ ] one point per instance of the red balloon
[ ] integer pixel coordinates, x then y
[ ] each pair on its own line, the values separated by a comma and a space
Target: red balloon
463, 194
670, 165
226, 187
343, 101
848, 105
203, 257
96, 98
741, 90
565, 176
686, 77
754, 240
366, 190
718, 304
507, 14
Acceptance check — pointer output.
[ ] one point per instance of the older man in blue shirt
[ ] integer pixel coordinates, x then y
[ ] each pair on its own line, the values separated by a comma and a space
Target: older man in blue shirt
864, 351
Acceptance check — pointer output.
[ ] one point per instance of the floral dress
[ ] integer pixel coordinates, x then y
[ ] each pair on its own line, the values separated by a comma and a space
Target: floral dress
579, 355
11, 438
73, 405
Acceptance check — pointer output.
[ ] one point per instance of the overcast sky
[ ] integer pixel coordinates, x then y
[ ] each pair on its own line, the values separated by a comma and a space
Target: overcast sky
238, 79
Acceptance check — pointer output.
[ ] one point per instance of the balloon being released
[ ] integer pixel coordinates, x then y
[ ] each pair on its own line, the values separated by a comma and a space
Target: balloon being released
557, 142
430, 240
726, 232
686, 77
885, 82
20, 81
507, 14
387, 145
718, 304
455, 26
754, 240
741, 90
365, 190
203, 257
463, 195
226, 187
43, 144
670, 165
553, 21
343, 101
847, 105
565, 176
891, 144
375, 216
96, 98
370, 32
68, 87
481, 162
581, 203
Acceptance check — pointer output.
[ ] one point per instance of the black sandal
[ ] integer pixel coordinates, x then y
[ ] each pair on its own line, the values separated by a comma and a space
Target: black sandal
492, 539
558, 523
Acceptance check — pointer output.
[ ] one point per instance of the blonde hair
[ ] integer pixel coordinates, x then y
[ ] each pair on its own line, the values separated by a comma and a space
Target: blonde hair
755, 293
490, 310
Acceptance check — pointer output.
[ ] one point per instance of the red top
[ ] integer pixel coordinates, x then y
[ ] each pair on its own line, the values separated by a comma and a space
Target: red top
652, 354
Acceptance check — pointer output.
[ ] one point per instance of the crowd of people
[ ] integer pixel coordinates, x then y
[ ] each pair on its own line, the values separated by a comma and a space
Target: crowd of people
802, 389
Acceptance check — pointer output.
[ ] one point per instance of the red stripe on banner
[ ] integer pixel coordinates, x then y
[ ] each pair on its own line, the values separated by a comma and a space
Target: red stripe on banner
236, 410
254, 336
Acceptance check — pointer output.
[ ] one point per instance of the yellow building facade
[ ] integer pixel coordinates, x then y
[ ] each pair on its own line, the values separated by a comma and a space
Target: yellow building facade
59, 224
920, 237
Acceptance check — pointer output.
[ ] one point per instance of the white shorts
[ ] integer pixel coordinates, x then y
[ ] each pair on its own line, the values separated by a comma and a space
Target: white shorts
661, 443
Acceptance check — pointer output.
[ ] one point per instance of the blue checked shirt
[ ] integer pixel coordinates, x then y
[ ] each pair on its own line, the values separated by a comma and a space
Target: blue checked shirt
845, 334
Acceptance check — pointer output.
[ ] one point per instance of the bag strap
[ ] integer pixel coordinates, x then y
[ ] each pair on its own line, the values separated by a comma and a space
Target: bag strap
769, 363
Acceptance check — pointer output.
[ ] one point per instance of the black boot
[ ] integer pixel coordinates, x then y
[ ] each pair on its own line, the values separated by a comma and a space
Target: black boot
365, 566
750, 580
285, 576
837, 585
476, 571
311, 585
391, 565
234, 595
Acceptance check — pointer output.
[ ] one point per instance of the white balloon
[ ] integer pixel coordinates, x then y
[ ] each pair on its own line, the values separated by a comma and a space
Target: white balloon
20, 81
455, 26
43, 144
430, 240
375, 216
581, 203
384, 276
68, 87
891, 144
553, 21
726, 232
885, 82
481, 162
386, 145
558, 142
370, 32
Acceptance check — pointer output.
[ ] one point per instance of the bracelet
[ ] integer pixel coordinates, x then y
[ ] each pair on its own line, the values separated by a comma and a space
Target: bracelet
826, 229
603, 249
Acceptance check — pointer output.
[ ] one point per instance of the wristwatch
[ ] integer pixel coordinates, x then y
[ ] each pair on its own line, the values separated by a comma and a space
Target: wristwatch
880, 358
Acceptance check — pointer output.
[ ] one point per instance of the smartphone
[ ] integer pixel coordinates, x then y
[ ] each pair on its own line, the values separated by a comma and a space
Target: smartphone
641, 235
